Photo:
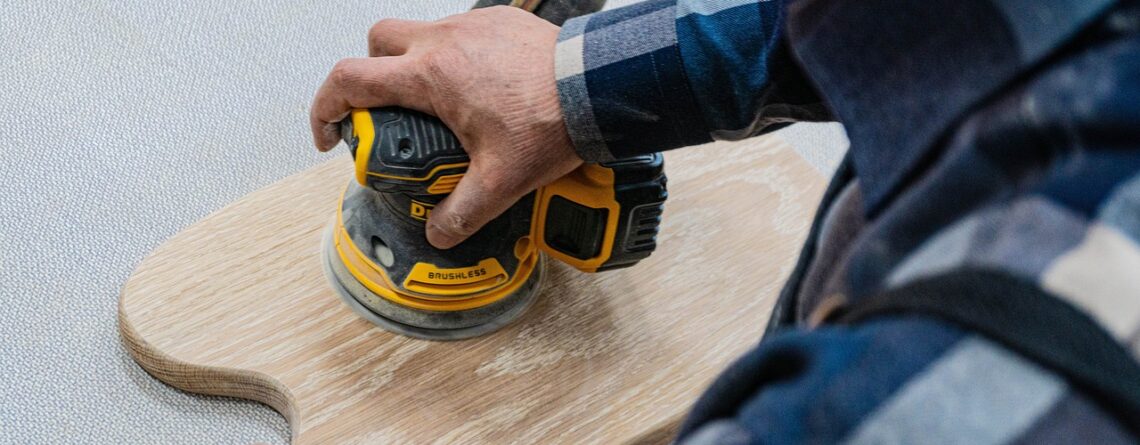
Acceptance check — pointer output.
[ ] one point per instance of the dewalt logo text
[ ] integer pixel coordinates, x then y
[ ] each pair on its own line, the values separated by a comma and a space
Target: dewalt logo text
420, 210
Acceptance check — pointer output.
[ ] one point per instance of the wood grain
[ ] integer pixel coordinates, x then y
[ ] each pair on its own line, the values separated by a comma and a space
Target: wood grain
238, 305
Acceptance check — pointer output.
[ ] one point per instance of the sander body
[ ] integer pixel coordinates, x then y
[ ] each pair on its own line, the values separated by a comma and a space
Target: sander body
599, 217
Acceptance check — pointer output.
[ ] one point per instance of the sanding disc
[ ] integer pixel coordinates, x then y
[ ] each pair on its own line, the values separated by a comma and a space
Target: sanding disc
429, 325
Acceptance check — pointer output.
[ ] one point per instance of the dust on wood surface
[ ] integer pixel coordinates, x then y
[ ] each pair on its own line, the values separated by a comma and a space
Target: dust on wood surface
238, 305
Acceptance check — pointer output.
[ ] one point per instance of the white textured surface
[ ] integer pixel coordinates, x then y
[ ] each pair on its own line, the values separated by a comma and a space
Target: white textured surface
122, 123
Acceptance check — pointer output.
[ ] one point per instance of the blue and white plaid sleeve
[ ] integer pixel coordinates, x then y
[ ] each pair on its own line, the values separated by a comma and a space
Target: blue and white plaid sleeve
664, 74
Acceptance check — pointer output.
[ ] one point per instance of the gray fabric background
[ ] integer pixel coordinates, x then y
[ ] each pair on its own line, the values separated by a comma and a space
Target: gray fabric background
122, 123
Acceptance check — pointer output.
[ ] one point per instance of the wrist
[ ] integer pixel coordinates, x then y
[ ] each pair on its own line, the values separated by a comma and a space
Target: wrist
573, 98
622, 84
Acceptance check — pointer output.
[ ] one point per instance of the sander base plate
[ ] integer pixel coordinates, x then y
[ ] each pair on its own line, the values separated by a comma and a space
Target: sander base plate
347, 286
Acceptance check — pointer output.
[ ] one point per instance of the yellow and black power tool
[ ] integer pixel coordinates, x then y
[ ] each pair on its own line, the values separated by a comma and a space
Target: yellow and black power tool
598, 217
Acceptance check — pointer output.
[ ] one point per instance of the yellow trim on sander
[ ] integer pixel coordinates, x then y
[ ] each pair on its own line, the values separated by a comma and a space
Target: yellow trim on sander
419, 178
526, 5
590, 185
375, 279
445, 184
365, 133
429, 279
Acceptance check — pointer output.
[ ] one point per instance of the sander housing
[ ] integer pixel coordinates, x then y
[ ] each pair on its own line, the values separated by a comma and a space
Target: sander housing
598, 217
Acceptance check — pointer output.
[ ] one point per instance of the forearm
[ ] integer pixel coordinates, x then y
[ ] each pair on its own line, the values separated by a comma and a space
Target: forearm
670, 73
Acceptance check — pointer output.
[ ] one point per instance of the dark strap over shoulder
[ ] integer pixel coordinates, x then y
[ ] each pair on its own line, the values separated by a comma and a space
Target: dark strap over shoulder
1028, 320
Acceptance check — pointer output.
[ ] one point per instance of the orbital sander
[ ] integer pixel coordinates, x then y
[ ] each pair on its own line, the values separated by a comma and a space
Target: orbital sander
599, 217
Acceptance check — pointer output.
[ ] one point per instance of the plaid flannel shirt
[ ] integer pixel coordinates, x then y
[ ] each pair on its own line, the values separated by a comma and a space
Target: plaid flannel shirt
1013, 148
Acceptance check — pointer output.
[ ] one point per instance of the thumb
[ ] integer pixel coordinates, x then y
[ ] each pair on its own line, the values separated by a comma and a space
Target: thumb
475, 202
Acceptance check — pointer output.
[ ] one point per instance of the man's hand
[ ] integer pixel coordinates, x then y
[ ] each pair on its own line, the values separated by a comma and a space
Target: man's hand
489, 75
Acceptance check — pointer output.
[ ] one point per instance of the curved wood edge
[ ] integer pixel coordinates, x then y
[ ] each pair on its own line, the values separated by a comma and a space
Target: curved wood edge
207, 380
211, 380
260, 387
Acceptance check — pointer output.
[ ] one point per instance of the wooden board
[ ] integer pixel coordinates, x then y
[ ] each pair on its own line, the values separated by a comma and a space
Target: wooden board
238, 305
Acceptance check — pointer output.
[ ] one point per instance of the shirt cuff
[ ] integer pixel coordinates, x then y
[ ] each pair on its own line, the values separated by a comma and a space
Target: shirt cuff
622, 85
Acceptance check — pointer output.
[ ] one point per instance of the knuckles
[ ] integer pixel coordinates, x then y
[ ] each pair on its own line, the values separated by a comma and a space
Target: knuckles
448, 26
477, 22
442, 64
497, 11
381, 29
345, 72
